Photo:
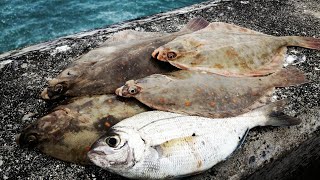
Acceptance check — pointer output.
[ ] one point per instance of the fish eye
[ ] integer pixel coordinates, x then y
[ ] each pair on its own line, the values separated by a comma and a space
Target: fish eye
132, 90
58, 88
113, 141
31, 138
171, 55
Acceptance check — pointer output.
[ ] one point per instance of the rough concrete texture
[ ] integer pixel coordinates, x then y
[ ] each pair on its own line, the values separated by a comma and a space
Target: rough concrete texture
269, 153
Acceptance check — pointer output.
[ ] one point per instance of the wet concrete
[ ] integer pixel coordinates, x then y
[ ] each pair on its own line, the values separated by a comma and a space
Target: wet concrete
268, 153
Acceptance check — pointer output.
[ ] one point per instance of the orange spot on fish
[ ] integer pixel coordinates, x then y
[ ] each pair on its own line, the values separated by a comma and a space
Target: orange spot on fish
218, 66
106, 124
231, 53
110, 101
212, 104
87, 148
187, 103
162, 100
243, 30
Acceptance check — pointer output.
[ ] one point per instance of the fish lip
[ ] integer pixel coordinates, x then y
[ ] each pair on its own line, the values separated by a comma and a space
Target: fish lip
158, 54
44, 94
119, 91
17, 139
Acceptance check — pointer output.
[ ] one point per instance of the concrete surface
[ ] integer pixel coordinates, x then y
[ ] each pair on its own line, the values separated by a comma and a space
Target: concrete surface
268, 153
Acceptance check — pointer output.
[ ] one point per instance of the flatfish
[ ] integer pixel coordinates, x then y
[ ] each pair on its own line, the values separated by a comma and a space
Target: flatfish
126, 56
69, 130
162, 145
206, 94
231, 50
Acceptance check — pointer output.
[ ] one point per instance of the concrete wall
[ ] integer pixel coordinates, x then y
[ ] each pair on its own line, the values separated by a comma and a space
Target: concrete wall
267, 153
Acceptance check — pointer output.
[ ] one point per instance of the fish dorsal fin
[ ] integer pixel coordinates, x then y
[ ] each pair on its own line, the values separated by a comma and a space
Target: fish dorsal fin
195, 24
221, 27
129, 35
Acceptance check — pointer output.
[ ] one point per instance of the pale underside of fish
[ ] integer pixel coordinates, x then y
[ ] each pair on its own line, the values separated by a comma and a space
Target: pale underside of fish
231, 50
69, 130
207, 94
125, 56
158, 145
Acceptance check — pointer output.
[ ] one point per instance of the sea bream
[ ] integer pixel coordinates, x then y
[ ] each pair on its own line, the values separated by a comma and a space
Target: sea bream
126, 56
206, 94
69, 130
160, 145
231, 50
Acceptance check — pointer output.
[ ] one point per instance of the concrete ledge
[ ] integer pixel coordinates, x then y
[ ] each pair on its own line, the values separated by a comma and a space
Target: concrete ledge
268, 153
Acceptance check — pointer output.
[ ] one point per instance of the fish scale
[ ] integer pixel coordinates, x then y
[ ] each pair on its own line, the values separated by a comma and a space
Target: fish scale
160, 144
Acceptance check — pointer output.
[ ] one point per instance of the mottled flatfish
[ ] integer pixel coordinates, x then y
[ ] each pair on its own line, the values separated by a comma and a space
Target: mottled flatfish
206, 94
231, 50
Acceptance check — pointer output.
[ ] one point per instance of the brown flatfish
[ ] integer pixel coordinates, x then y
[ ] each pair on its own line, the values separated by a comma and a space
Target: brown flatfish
69, 130
126, 56
206, 94
231, 50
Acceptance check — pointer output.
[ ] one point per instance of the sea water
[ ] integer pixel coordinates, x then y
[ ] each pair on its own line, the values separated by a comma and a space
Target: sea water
26, 22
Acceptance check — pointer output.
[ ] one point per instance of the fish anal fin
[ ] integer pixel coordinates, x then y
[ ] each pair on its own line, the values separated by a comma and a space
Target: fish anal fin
221, 27
264, 100
195, 24
242, 139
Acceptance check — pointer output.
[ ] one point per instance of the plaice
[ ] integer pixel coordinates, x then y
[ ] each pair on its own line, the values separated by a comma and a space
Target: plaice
207, 94
69, 130
125, 56
231, 50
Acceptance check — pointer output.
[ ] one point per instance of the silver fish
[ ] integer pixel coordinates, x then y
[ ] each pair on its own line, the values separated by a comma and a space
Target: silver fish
158, 144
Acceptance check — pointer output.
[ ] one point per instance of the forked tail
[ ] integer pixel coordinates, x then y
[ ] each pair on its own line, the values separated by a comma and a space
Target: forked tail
276, 117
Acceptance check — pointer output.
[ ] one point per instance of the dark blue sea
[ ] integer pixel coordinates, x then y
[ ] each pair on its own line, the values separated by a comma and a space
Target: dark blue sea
26, 22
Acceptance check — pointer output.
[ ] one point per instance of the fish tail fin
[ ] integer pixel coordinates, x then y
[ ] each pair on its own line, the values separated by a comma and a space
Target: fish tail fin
195, 24
276, 117
306, 42
289, 76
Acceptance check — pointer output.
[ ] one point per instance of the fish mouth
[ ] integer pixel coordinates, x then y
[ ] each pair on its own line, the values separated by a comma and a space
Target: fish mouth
17, 138
119, 91
159, 54
44, 94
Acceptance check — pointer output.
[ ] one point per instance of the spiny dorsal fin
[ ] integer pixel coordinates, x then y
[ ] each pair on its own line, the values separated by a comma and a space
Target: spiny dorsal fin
195, 24
276, 117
